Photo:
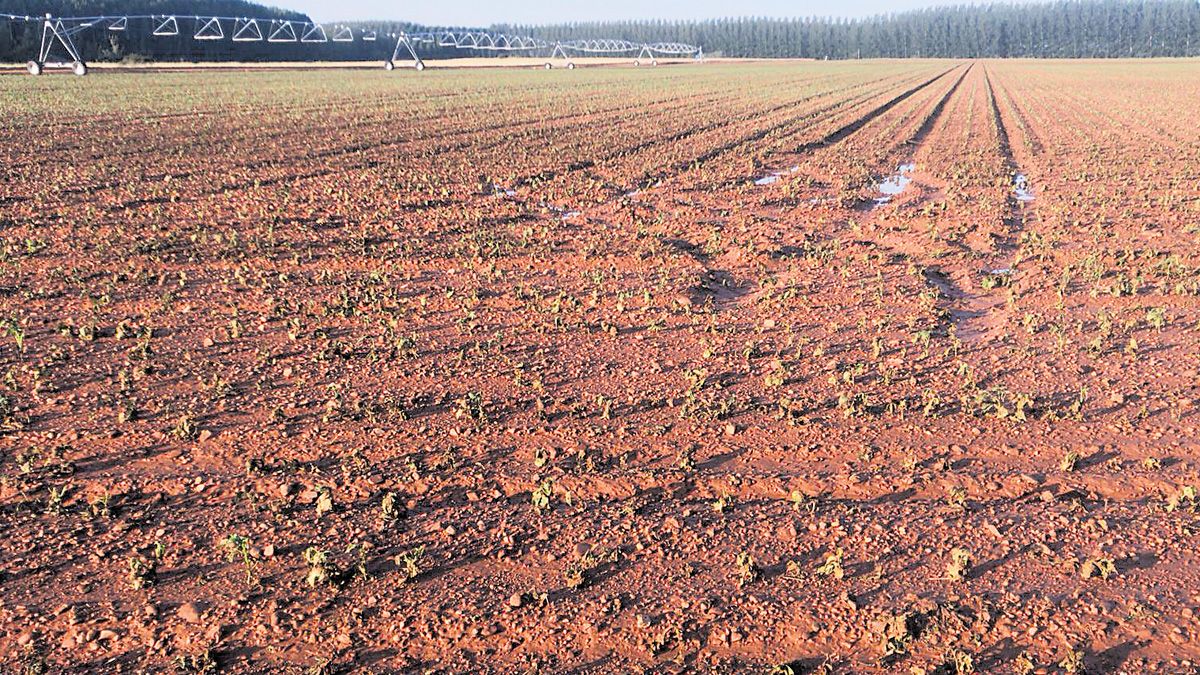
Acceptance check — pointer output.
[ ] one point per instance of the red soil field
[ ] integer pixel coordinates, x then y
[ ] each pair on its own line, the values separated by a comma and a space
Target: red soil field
794, 367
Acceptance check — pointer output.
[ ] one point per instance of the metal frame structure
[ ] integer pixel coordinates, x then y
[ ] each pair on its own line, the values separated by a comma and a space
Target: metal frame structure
209, 30
58, 49
406, 46
57, 33
247, 30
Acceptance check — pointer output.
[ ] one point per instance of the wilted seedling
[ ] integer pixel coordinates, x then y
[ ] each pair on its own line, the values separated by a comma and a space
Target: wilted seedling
1069, 461
540, 457
956, 497
472, 406
959, 662
723, 503
1184, 498
100, 506
185, 429
895, 634
409, 563
579, 572
318, 566
748, 570
142, 573
1101, 567
1072, 663
1076, 409
686, 460
324, 500
960, 564
800, 668
832, 567
389, 508
542, 495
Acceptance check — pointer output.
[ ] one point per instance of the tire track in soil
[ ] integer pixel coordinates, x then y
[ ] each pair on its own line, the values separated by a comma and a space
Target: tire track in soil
721, 292
1002, 265
979, 318
964, 308
973, 316
726, 297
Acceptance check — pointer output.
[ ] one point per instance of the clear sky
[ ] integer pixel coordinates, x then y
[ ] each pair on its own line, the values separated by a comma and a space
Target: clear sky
487, 12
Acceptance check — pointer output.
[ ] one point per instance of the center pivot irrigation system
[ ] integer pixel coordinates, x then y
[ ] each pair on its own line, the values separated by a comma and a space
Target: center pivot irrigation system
58, 49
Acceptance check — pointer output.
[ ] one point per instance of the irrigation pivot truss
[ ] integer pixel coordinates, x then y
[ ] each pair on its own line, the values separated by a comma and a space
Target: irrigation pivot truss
646, 52
58, 48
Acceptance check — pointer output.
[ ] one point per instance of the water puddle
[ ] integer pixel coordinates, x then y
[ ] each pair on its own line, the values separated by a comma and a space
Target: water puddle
563, 212
1022, 188
774, 176
895, 184
997, 277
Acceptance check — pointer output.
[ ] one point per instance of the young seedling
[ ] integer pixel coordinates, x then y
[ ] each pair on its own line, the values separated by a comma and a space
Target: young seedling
1184, 498
1157, 318
201, 663
238, 547
956, 497
16, 332
358, 550
959, 662
54, 503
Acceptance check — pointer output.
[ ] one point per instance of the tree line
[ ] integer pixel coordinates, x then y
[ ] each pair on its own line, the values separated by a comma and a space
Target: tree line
1062, 29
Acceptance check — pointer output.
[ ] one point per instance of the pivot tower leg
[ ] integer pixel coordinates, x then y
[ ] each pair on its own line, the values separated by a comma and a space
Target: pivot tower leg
405, 45
55, 34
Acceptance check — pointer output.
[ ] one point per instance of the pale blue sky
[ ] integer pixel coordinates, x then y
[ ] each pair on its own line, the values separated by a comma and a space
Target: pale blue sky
487, 12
